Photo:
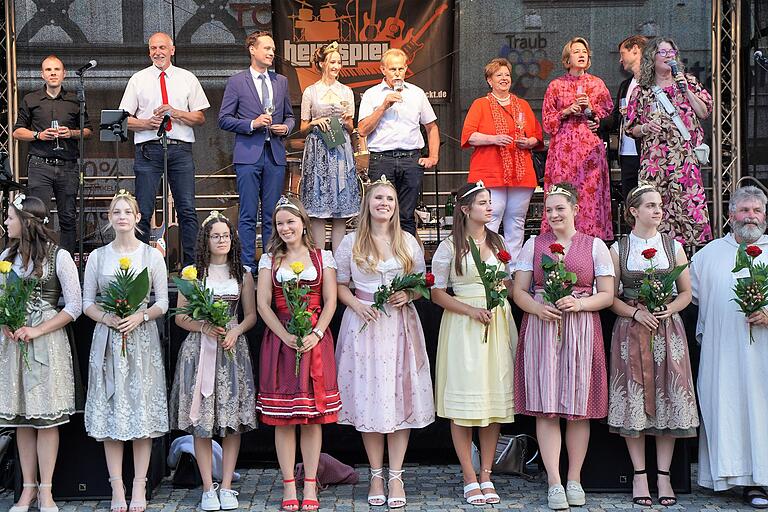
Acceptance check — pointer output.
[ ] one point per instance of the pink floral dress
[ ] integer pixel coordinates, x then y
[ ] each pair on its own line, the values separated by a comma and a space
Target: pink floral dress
576, 154
667, 160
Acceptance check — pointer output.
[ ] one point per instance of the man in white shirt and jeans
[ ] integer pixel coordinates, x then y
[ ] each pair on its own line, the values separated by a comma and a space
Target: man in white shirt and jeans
151, 93
390, 116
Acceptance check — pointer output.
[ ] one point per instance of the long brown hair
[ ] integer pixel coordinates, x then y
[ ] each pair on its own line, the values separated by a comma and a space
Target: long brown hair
364, 251
648, 62
276, 246
35, 238
459, 231
203, 251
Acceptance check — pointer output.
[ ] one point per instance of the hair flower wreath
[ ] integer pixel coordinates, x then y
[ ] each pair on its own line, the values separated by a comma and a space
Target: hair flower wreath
18, 203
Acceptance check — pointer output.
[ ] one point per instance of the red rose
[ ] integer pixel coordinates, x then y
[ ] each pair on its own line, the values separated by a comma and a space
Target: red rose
649, 253
429, 279
557, 249
754, 251
504, 256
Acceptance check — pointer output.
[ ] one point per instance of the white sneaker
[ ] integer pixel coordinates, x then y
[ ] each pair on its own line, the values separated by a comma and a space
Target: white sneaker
210, 500
556, 499
228, 499
574, 493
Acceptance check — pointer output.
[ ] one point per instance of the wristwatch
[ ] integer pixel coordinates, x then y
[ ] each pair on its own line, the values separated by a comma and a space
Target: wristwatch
35, 135
146, 316
319, 333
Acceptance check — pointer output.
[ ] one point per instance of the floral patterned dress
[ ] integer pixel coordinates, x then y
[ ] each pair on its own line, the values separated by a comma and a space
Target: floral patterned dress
576, 154
668, 161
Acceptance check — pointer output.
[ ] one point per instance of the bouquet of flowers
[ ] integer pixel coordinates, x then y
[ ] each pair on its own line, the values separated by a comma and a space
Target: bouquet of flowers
300, 323
492, 278
201, 304
125, 293
16, 292
655, 291
751, 292
558, 282
418, 283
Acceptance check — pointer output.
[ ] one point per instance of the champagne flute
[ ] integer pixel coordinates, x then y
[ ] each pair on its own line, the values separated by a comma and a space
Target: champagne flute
398, 84
55, 126
269, 108
344, 105
623, 106
520, 123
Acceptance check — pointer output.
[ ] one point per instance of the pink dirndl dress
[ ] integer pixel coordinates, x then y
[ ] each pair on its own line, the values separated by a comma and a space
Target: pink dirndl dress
565, 378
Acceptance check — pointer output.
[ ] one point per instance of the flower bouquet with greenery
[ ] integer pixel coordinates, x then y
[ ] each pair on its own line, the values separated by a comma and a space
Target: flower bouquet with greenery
300, 322
751, 292
558, 281
418, 283
655, 291
14, 296
201, 304
125, 294
492, 278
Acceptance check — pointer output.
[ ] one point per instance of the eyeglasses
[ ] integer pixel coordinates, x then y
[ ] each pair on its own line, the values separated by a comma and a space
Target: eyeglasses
220, 238
666, 53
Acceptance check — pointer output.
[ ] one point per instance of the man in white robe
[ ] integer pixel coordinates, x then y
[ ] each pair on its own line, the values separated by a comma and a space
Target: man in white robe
733, 373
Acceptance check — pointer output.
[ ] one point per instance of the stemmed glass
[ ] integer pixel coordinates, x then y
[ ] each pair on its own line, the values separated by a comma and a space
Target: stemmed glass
397, 84
55, 126
344, 105
623, 106
520, 123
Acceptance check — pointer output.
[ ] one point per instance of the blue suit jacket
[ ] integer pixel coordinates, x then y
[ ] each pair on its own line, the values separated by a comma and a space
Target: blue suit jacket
241, 104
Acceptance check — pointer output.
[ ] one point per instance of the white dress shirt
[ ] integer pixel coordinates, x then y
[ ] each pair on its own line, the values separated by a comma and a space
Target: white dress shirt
142, 96
398, 127
257, 82
628, 147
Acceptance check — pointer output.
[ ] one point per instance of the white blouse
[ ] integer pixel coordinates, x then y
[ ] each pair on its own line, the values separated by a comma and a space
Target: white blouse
66, 271
308, 274
600, 255
385, 270
443, 265
156, 264
636, 261
320, 100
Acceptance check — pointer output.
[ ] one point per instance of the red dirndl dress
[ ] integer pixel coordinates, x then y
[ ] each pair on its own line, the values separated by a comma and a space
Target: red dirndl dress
312, 397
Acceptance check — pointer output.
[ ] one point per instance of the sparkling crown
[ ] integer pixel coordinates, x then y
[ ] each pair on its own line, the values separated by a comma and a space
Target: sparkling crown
284, 202
479, 185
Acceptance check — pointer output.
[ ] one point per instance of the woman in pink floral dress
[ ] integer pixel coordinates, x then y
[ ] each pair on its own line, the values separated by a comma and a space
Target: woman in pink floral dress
667, 159
573, 106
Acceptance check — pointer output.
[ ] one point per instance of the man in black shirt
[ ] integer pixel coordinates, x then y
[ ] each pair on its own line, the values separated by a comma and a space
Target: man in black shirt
52, 167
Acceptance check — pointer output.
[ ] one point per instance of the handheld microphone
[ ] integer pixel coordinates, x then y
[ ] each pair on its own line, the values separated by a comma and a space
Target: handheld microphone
760, 58
673, 66
589, 114
163, 124
83, 69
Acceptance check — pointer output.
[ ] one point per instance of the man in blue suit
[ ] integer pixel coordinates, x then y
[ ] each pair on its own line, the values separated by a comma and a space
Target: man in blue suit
257, 108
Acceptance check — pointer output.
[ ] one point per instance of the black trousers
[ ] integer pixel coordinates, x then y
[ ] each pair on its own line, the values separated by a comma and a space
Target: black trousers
630, 168
59, 181
401, 168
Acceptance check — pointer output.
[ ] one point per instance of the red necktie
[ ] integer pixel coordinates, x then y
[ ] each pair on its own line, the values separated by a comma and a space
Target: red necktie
164, 93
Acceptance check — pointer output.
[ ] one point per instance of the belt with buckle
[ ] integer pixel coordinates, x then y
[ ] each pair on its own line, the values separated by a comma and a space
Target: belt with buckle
158, 142
399, 153
56, 162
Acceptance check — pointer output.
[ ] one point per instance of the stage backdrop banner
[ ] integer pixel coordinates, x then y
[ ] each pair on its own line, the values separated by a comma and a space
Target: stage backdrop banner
365, 29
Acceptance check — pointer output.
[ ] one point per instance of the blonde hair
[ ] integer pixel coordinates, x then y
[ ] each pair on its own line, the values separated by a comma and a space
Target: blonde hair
393, 52
566, 57
128, 198
276, 246
364, 252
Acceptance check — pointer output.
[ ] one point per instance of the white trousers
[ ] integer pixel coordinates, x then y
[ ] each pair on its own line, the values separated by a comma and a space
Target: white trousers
510, 206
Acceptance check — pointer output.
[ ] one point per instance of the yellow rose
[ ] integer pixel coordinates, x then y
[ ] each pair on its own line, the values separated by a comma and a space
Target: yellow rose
189, 273
125, 263
297, 267
5, 267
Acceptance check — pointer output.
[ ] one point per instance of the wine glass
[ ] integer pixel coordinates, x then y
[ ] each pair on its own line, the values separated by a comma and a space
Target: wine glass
344, 105
520, 123
623, 106
55, 126
398, 84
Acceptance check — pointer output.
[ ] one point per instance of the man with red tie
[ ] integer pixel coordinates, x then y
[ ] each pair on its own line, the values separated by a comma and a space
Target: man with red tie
151, 93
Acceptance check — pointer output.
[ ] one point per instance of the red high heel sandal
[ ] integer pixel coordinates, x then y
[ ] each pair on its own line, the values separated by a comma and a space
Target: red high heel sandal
310, 504
290, 505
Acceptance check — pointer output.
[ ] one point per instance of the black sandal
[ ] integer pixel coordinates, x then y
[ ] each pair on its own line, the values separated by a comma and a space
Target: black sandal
643, 501
751, 494
666, 501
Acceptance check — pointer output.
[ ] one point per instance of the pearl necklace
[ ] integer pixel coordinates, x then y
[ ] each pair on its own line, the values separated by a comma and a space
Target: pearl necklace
503, 101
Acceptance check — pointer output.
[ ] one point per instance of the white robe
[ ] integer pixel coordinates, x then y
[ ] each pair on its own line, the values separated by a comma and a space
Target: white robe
733, 374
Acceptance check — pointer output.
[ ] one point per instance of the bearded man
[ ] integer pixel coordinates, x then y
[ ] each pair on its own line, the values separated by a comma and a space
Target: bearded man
732, 383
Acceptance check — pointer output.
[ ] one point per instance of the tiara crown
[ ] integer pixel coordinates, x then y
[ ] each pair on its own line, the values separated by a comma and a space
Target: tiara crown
214, 215
479, 185
284, 202
556, 189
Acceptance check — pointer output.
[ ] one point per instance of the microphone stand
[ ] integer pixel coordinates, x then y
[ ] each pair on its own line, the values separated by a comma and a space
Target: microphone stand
166, 214
81, 174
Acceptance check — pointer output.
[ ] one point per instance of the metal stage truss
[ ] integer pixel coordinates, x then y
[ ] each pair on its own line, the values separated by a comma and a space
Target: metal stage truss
726, 119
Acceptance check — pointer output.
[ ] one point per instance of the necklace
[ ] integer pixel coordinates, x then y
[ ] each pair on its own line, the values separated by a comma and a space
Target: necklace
388, 242
479, 242
502, 100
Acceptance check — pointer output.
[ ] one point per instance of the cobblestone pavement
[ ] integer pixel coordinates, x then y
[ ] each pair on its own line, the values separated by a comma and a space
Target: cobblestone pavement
429, 488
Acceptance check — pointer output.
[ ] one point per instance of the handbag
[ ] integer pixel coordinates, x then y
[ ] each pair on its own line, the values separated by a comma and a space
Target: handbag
513, 454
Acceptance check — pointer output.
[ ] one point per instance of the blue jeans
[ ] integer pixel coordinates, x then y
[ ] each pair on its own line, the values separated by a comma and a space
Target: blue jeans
262, 181
148, 168
407, 176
